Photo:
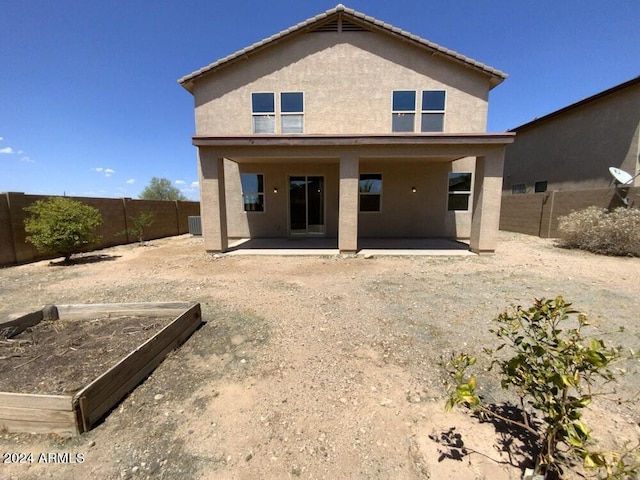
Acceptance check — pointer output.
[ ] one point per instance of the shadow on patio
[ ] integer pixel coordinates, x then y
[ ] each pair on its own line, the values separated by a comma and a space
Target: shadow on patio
329, 246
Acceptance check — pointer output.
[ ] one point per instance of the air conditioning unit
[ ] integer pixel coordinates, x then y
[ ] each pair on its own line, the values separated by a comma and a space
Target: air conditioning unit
195, 225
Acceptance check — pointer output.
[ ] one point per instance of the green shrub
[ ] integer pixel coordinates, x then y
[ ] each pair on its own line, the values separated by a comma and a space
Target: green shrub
62, 226
601, 231
138, 225
554, 371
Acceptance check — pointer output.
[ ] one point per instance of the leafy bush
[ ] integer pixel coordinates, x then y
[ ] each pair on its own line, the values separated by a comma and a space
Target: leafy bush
138, 224
599, 231
553, 371
62, 226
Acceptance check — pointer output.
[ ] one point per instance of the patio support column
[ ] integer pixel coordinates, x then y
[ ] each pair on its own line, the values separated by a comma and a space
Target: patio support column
487, 198
348, 206
213, 207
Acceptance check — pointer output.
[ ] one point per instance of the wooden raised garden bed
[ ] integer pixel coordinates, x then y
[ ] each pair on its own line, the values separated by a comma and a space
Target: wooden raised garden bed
162, 326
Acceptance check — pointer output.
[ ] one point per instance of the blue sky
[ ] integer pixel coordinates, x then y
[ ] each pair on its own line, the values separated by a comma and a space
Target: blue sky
90, 105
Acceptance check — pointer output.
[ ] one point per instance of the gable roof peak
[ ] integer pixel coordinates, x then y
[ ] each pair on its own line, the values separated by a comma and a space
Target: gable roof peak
367, 22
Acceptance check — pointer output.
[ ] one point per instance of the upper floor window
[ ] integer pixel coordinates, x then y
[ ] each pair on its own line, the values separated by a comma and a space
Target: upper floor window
252, 192
370, 188
459, 191
404, 111
432, 111
292, 112
263, 109
432, 108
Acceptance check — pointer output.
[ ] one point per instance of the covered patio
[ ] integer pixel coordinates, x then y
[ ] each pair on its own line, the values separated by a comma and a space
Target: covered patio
329, 246
341, 158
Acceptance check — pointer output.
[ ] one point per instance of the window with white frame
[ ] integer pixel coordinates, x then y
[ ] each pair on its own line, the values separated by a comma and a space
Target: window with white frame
370, 188
517, 188
459, 191
403, 111
432, 112
292, 112
263, 109
252, 192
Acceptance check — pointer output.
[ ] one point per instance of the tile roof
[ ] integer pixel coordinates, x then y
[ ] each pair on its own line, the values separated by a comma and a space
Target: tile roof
496, 76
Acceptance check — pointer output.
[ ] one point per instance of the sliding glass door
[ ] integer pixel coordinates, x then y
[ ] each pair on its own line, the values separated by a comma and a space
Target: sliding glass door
306, 205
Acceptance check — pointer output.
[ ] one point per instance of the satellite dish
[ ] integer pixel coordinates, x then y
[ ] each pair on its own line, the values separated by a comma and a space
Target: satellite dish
621, 176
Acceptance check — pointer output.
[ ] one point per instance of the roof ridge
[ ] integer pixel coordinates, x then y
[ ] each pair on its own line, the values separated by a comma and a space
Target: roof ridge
384, 26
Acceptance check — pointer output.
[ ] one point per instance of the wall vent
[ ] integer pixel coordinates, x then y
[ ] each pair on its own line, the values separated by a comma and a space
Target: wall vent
339, 25
195, 225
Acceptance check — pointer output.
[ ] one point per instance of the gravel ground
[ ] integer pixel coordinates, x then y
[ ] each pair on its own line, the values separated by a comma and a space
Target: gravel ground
317, 367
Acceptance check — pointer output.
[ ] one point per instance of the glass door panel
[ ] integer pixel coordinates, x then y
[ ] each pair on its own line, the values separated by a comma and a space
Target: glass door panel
315, 204
298, 204
306, 205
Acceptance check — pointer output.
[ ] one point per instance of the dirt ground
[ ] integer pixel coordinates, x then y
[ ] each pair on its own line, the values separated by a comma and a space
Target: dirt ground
318, 367
60, 357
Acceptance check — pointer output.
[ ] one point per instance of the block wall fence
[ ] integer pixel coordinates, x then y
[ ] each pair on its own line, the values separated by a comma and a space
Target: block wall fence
538, 213
169, 218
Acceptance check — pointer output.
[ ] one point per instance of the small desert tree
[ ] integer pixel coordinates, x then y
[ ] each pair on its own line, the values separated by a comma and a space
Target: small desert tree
554, 369
62, 226
138, 225
161, 189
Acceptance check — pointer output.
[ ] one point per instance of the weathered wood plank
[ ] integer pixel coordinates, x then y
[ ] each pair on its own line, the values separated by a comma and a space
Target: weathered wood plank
64, 429
71, 312
14, 326
103, 393
31, 401
39, 415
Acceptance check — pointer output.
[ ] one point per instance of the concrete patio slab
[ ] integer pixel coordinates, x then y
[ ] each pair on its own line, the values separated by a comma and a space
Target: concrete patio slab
329, 246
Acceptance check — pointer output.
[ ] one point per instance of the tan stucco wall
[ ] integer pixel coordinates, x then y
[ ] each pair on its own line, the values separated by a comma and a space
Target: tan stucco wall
404, 214
574, 149
347, 80
273, 222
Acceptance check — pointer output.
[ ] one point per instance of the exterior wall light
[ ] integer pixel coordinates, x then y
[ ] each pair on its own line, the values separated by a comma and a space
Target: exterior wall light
275, 189
414, 189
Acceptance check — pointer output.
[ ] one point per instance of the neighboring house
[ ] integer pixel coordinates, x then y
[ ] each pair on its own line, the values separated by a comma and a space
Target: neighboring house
573, 148
344, 126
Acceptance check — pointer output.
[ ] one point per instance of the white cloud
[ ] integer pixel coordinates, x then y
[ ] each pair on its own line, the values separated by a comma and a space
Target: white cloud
131, 180
195, 184
180, 182
1, 138
27, 160
106, 171
6, 150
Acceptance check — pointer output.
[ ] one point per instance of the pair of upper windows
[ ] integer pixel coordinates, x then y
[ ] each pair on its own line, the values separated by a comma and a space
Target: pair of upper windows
290, 109
405, 106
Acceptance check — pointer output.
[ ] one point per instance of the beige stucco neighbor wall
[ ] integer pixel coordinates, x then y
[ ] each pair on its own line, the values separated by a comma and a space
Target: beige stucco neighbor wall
573, 149
347, 80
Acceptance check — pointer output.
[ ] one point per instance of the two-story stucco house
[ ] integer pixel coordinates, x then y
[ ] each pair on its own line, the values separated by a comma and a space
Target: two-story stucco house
346, 127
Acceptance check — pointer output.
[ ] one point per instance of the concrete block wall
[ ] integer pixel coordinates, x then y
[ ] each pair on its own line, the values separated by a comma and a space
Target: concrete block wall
538, 213
170, 218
